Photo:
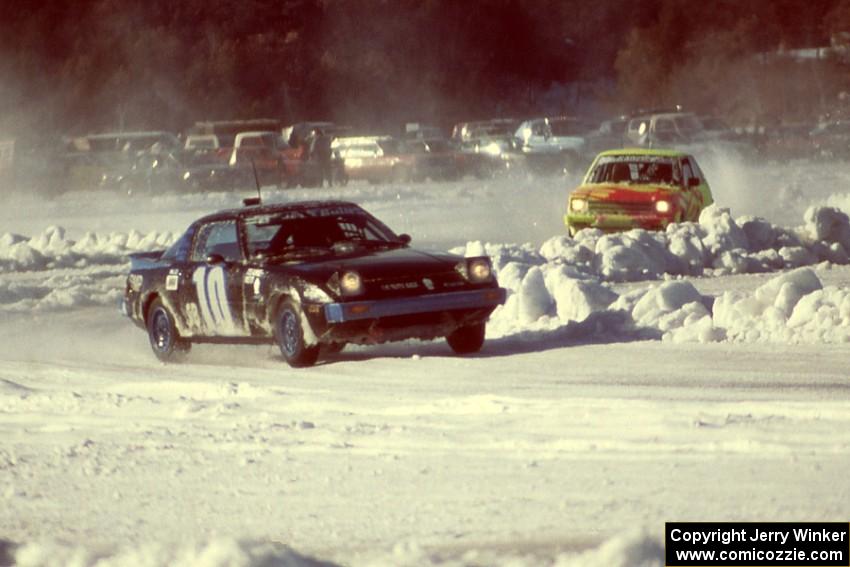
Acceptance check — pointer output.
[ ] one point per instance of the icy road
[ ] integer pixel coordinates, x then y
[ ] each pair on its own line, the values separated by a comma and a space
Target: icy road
569, 440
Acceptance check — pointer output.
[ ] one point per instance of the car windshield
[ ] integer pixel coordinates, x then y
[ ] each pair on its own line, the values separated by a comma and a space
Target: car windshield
318, 231
635, 169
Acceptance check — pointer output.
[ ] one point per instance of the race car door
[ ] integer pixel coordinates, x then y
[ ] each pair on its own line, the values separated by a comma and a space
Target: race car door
213, 302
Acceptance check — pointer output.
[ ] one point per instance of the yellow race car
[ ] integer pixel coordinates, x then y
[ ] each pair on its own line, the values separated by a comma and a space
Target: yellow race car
638, 188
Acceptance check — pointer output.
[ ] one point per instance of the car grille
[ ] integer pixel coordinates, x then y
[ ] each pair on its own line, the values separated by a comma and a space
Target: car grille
414, 284
631, 209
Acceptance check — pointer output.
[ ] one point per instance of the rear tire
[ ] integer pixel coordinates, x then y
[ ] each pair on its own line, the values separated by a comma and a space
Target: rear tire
467, 340
289, 334
162, 332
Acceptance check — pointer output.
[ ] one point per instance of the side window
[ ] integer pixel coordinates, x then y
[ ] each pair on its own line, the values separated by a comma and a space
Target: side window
687, 171
217, 238
179, 251
664, 125
695, 168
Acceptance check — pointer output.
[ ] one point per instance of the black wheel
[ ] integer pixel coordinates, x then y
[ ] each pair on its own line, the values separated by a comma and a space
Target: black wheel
290, 337
165, 340
467, 340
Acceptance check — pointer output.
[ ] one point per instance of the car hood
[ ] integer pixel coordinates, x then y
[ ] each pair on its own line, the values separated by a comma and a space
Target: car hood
381, 264
624, 192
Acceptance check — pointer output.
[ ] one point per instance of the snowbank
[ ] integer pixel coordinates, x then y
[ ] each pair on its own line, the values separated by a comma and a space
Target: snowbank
792, 307
567, 279
716, 245
632, 549
223, 552
52, 249
635, 549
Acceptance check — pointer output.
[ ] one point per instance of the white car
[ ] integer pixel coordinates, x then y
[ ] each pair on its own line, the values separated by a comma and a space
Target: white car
552, 135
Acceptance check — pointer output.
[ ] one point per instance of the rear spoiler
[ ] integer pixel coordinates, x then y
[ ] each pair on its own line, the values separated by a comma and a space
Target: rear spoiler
145, 260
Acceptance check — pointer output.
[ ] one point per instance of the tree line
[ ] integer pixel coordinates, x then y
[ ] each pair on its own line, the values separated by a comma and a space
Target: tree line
77, 66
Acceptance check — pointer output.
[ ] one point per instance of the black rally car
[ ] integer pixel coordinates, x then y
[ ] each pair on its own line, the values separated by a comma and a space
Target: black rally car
310, 276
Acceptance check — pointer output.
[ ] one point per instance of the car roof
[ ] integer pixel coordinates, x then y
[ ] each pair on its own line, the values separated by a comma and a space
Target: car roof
272, 209
643, 152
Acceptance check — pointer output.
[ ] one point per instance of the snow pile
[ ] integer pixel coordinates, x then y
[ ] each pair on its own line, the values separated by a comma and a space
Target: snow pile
223, 552
633, 549
630, 550
717, 245
63, 291
792, 307
52, 249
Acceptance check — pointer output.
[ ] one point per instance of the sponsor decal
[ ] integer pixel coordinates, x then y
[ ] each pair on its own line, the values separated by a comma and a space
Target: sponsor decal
400, 286
254, 279
428, 283
172, 282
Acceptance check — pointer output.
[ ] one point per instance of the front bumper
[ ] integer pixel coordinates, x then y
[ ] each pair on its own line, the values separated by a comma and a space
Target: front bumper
616, 222
461, 300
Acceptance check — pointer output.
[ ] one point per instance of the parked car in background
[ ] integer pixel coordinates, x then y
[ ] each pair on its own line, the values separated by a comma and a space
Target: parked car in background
300, 160
487, 147
225, 131
259, 152
665, 129
311, 277
417, 131
375, 159
104, 160
553, 144
201, 143
638, 188
435, 159
831, 140
610, 135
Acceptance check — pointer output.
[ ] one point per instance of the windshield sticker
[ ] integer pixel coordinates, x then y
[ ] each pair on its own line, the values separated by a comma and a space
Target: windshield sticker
634, 159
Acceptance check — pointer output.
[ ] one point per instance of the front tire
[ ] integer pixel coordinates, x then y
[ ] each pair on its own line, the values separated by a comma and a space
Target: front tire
162, 332
467, 340
289, 333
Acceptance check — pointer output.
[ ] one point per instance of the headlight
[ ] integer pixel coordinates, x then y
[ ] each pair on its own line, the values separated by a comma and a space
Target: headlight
350, 283
578, 205
492, 149
662, 206
479, 270
475, 270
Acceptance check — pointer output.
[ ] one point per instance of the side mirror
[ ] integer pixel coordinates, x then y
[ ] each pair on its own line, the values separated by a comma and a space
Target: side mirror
693, 182
215, 259
404, 238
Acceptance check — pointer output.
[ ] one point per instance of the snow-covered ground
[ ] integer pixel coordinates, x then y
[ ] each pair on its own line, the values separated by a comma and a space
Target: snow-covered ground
701, 374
